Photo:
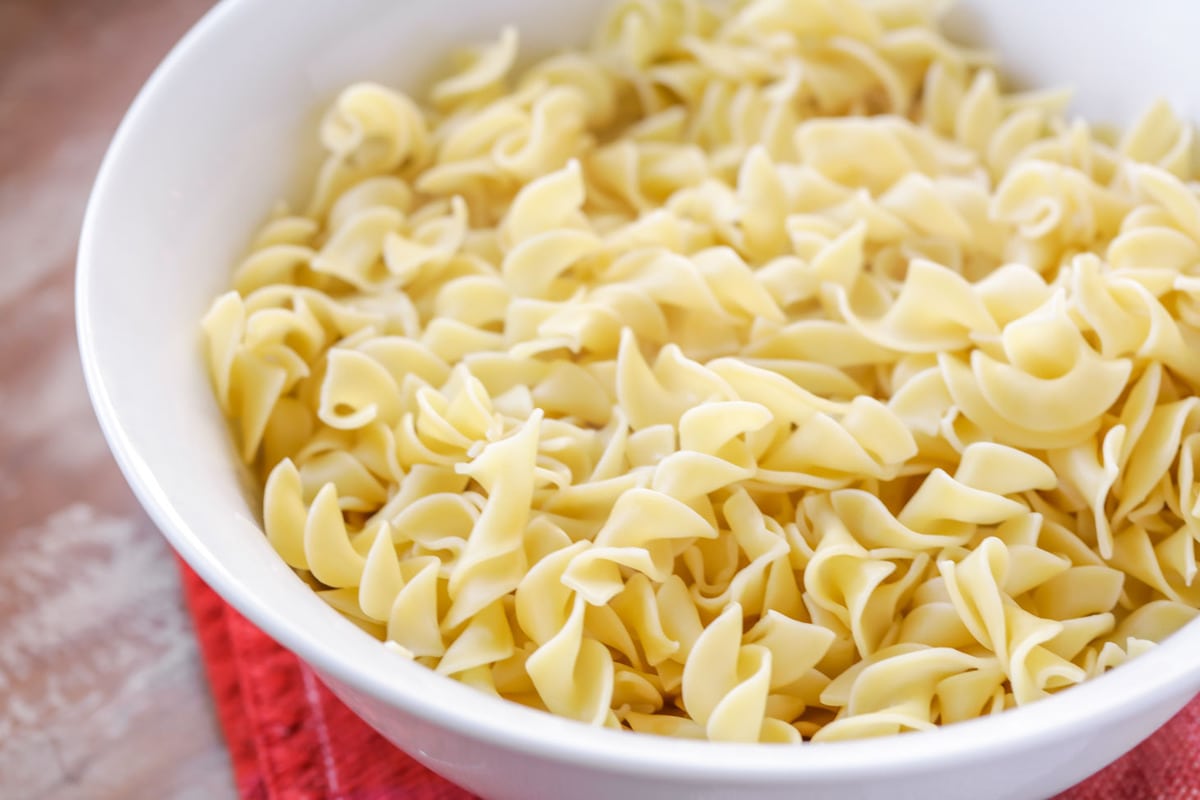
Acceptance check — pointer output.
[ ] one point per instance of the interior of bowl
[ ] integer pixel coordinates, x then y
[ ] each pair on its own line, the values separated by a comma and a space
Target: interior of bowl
226, 127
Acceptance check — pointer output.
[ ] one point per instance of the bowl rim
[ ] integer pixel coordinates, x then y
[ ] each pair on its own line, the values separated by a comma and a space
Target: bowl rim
1167, 670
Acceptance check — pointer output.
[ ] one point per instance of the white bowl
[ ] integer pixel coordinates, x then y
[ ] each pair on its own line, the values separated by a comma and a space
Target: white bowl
225, 127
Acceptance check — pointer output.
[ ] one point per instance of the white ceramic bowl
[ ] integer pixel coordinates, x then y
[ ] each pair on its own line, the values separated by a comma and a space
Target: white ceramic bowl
226, 126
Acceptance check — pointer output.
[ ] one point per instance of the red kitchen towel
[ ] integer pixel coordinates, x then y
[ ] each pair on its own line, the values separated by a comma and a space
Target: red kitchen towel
291, 739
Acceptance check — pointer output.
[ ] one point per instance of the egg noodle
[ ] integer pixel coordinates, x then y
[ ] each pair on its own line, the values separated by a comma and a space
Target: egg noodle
762, 373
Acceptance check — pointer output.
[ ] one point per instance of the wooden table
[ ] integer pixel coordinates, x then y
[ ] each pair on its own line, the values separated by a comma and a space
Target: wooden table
102, 694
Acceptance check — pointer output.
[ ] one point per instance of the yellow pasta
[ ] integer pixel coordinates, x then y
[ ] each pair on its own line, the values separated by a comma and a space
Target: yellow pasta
763, 373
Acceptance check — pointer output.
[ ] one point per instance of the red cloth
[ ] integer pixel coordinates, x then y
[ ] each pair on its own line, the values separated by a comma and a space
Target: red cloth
291, 739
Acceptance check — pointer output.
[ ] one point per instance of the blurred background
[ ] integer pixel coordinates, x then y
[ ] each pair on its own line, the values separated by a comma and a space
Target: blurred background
102, 693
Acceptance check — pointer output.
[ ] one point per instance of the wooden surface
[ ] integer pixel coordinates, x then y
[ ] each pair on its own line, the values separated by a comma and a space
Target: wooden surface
102, 694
